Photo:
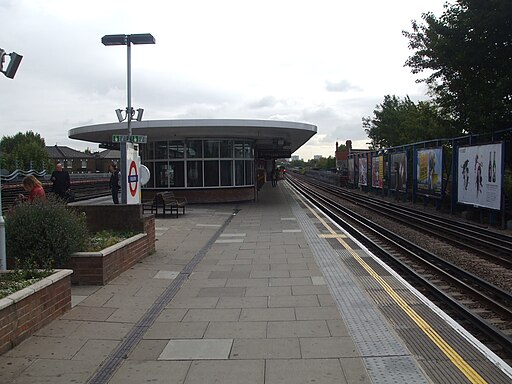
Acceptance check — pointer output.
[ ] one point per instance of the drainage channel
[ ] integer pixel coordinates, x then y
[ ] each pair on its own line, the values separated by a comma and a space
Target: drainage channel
115, 359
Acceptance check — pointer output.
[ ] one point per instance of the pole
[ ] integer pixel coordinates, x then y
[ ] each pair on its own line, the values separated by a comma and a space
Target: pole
3, 257
124, 153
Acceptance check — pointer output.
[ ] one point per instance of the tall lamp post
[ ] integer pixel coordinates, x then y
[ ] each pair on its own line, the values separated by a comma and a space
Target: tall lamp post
128, 40
9, 72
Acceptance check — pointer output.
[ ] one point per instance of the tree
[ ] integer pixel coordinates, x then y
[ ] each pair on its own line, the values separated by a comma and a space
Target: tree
398, 122
23, 150
468, 53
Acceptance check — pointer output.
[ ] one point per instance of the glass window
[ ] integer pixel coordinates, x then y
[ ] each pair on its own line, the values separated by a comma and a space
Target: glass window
211, 173
249, 172
239, 149
176, 149
239, 172
176, 174
226, 173
211, 149
194, 149
248, 151
226, 148
161, 150
161, 174
84, 163
194, 174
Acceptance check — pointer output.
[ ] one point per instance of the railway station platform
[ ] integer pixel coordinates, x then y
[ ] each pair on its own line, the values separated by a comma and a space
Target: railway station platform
266, 292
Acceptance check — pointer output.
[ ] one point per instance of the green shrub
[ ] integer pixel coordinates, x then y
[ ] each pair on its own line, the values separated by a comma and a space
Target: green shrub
44, 234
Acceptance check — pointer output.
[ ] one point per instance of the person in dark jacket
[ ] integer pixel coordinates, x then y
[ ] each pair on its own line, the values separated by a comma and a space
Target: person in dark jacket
114, 183
61, 182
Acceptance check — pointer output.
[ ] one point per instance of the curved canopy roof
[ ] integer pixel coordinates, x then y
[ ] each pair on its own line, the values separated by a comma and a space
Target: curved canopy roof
267, 134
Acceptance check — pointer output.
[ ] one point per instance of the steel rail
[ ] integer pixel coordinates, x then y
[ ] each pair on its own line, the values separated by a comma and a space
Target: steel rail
333, 210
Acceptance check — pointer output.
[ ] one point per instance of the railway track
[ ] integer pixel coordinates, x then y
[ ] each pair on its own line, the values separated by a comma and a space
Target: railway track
490, 245
480, 305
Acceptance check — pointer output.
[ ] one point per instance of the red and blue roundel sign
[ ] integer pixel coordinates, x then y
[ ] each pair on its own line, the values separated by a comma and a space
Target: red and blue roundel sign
133, 179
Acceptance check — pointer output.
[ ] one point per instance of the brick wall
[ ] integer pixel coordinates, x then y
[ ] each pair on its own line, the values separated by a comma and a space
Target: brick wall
98, 268
26, 311
210, 195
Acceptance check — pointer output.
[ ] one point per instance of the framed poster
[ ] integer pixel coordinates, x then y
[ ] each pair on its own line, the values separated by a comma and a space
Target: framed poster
429, 176
398, 176
480, 175
363, 171
377, 171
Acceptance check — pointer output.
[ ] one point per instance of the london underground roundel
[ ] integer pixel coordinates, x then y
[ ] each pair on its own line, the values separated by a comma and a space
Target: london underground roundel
133, 178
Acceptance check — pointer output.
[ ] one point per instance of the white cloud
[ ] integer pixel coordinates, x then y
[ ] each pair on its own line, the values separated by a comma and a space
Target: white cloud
326, 62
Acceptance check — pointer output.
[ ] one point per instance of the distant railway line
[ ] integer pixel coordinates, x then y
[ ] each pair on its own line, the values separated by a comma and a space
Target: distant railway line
84, 187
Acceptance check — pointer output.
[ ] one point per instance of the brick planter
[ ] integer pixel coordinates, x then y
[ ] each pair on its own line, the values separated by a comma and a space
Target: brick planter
30, 309
98, 268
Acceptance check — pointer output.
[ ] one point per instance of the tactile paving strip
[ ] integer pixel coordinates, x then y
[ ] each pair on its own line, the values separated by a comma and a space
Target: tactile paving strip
112, 363
386, 358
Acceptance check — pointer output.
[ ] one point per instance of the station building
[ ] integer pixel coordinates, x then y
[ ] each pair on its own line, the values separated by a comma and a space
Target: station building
206, 160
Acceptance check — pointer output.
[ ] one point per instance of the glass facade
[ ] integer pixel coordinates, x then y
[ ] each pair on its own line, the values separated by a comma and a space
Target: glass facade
207, 163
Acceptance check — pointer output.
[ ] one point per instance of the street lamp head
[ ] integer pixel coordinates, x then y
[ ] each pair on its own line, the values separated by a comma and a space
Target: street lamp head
140, 38
114, 40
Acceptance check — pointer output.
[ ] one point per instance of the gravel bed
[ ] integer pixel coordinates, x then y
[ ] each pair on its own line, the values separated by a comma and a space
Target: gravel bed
492, 273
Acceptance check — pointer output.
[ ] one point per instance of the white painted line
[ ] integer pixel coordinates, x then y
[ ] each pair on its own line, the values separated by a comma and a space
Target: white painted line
226, 241
288, 219
233, 235
292, 230
208, 225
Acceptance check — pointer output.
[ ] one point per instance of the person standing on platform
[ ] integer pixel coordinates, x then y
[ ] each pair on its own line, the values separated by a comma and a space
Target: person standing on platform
61, 182
114, 183
273, 176
34, 188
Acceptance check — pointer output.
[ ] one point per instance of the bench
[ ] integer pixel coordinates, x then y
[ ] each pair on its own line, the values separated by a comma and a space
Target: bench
168, 201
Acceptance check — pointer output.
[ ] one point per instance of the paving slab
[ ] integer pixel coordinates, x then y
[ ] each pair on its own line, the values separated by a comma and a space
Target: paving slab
236, 330
304, 371
137, 372
283, 329
177, 330
204, 349
327, 347
227, 372
282, 348
52, 371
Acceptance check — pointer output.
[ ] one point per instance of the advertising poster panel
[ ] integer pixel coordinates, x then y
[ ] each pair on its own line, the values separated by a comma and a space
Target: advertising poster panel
480, 175
430, 171
398, 177
377, 171
363, 171
351, 171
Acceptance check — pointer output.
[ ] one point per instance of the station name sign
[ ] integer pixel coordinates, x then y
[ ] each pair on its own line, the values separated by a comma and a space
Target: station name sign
137, 139
274, 153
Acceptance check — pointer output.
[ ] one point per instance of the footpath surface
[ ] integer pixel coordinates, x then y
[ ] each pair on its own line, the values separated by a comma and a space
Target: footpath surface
232, 295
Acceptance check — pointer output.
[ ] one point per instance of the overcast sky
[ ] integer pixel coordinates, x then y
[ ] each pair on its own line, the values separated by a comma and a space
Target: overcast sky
327, 63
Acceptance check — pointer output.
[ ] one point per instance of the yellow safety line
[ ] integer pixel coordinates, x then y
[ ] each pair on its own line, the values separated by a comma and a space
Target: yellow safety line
454, 357
331, 236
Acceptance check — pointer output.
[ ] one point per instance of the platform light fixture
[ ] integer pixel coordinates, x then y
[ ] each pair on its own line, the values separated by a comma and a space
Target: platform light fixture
128, 40
13, 65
